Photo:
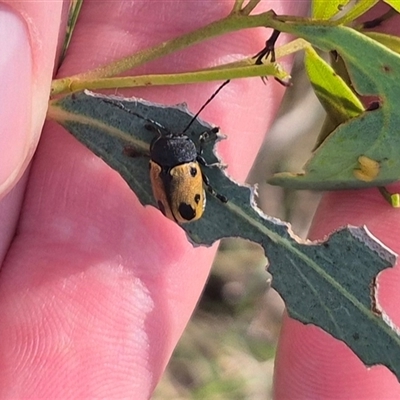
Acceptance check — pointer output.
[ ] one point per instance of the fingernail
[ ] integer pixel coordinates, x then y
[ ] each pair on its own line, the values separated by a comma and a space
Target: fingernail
15, 96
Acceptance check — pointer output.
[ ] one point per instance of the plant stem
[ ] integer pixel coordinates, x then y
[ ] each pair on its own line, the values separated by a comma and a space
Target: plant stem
237, 6
231, 23
249, 7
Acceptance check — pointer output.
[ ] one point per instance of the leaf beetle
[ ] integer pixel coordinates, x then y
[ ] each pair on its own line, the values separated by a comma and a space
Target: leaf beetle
176, 177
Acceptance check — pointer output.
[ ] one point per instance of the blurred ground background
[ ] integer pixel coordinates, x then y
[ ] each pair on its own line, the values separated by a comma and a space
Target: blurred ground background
227, 350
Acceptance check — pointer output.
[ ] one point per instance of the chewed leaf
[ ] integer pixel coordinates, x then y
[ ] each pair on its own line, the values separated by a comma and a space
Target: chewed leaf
358, 319
374, 70
318, 280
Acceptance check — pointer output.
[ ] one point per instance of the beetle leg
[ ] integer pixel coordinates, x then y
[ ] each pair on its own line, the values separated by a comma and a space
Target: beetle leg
268, 49
206, 136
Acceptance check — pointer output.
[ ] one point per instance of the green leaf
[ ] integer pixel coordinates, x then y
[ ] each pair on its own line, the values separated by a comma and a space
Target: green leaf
74, 11
317, 280
322, 9
359, 8
338, 100
374, 70
390, 41
239, 69
394, 4
357, 321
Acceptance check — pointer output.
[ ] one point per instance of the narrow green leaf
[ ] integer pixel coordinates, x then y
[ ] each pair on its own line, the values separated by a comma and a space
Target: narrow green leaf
394, 4
317, 280
338, 100
242, 69
359, 9
390, 41
325, 10
74, 11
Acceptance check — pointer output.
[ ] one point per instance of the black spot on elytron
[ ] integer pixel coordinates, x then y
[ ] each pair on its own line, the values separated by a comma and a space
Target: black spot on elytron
161, 206
197, 198
186, 211
193, 171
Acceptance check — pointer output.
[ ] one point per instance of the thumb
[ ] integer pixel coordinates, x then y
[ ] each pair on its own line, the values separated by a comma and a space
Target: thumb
28, 41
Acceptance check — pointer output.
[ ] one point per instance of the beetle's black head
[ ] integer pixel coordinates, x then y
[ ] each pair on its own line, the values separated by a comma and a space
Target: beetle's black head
169, 151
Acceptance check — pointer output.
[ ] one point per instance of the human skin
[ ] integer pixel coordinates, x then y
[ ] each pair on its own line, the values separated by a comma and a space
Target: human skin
95, 289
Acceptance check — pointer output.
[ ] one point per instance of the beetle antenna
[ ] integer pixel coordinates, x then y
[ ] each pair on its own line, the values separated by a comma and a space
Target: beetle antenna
128, 110
205, 105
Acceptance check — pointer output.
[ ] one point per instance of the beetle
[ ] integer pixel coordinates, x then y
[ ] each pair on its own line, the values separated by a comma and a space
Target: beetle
176, 177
